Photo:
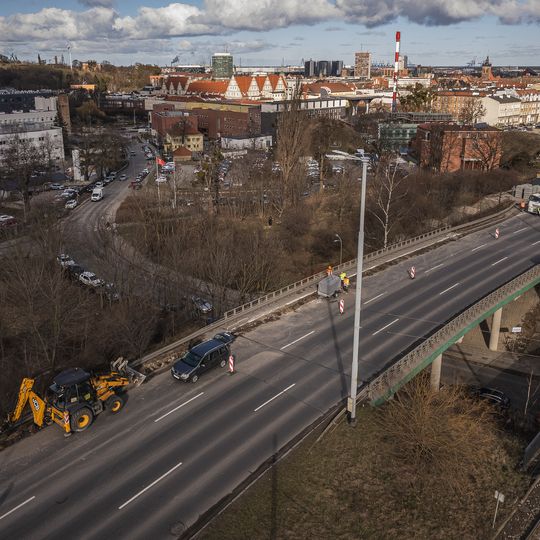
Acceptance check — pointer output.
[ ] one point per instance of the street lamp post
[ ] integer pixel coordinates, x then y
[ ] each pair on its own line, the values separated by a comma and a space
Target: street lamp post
351, 402
340, 248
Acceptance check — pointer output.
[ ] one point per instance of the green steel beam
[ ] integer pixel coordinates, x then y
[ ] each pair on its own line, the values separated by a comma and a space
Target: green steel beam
379, 401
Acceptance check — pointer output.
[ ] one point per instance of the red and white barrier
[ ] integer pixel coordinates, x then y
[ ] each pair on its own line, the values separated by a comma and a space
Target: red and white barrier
497, 233
231, 364
341, 306
412, 272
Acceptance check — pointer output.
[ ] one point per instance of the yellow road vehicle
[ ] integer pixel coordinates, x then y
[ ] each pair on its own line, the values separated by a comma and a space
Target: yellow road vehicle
74, 398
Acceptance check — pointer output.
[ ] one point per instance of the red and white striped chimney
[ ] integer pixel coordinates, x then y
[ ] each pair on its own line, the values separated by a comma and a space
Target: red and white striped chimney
396, 72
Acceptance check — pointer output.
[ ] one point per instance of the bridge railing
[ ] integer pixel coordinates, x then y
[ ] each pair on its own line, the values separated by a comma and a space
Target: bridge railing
397, 372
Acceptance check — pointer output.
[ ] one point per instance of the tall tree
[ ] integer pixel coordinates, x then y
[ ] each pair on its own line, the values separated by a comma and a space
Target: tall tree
21, 158
292, 140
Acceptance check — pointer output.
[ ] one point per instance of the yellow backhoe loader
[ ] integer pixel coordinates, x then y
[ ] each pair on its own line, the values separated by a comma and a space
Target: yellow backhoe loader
75, 397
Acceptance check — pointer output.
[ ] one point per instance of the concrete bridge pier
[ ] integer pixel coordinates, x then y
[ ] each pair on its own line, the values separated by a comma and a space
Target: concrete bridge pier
495, 330
435, 378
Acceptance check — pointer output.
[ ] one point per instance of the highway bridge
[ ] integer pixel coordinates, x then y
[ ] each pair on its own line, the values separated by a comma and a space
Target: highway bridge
177, 449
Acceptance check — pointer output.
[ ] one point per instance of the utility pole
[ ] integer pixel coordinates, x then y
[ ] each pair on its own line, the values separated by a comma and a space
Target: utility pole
351, 402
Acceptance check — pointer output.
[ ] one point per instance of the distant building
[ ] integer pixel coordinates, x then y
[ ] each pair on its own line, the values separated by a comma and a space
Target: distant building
337, 68
487, 75
323, 68
362, 65
451, 147
42, 136
399, 129
21, 100
309, 68
222, 65
502, 110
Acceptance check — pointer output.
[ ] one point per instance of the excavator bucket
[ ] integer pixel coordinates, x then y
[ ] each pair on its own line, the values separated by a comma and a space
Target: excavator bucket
121, 366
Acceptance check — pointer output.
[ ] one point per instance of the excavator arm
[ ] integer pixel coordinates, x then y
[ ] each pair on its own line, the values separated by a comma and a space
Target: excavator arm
26, 394
38, 406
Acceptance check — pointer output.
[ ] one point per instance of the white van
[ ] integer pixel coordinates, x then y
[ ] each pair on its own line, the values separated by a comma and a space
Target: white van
97, 194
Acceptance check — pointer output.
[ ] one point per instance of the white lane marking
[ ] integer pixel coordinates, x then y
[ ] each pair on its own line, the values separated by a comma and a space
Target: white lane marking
434, 268
449, 288
17, 507
372, 299
537, 242
478, 247
384, 327
297, 340
179, 407
519, 230
149, 486
500, 260
272, 399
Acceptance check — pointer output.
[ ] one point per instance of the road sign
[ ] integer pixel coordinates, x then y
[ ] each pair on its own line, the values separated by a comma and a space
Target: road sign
341, 306
497, 233
231, 364
412, 272
516, 329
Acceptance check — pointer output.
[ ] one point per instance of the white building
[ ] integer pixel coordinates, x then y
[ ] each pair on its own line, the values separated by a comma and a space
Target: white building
502, 110
41, 136
45, 113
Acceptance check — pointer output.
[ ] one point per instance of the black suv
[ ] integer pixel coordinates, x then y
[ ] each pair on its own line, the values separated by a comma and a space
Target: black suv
202, 357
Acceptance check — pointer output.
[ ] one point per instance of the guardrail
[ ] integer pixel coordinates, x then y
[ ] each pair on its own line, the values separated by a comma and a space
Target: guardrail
170, 352
367, 258
398, 372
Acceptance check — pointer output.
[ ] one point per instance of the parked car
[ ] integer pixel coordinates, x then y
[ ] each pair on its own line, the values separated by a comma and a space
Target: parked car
201, 305
68, 193
56, 186
99, 185
7, 220
90, 187
65, 260
72, 203
133, 153
90, 279
201, 358
493, 396
109, 291
123, 177
161, 179
135, 185
74, 271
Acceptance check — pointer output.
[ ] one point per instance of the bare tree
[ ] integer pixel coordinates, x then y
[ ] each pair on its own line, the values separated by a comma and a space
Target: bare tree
386, 190
472, 111
21, 158
291, 135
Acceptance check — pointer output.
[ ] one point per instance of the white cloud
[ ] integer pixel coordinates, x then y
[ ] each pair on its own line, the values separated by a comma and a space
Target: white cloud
169, 21
60, 23
266, 14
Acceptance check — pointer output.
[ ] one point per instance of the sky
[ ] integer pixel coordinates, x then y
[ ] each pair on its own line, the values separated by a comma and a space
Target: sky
273, 32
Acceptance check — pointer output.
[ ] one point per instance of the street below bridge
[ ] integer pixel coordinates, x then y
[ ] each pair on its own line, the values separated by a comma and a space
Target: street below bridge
177, 449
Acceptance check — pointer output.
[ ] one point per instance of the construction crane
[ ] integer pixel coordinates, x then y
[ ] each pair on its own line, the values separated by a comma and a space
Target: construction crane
472, 63
76, 397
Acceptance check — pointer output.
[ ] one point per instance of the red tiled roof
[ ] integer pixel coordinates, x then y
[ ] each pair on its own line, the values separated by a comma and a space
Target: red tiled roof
208, 87
244, 82
274, 79
260, 79
331, 86
182, 151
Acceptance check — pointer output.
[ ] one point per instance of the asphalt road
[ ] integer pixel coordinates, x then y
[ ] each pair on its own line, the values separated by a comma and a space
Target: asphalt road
87, 239
176, 448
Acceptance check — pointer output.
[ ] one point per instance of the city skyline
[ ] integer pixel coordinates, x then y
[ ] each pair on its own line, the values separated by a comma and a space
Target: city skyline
272, 33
